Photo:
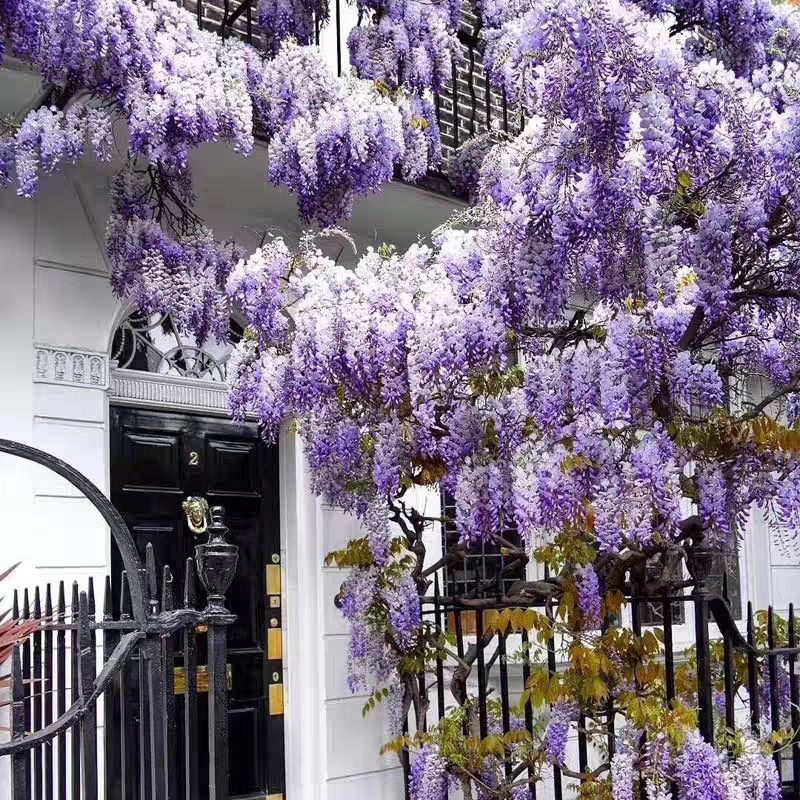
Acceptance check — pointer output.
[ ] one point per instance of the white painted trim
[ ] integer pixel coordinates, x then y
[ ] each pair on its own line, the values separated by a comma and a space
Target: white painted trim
43, 263
305, 723
151, 390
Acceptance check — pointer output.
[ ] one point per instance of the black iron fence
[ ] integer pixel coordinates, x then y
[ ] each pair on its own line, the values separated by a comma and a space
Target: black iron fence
736, 675
136, 674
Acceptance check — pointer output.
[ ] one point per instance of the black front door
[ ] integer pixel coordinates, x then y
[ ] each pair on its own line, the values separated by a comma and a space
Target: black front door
157, 460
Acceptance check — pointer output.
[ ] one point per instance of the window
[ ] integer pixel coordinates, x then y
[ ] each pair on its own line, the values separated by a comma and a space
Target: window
151, 343
653, 613
725, 579
482, 570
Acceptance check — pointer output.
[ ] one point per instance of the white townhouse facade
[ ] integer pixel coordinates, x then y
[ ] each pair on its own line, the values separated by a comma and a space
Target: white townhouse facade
72, 384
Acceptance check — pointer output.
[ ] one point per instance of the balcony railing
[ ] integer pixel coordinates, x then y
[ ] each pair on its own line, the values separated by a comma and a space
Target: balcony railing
465, 109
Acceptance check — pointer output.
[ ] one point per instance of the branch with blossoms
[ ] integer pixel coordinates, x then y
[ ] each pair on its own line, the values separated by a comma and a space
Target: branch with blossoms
175, 87
569, 359
160, 73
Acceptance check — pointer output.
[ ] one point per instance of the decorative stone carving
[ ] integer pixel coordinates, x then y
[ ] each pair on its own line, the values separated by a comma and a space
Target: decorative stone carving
61, 365
42, 362
97, 370
78, 367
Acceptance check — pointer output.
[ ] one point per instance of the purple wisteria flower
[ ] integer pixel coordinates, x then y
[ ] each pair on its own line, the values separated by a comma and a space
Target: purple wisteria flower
256, 284
283, 19
465, 168
589, 600
622, 774
698, 771
180, 275
428, 778
331, 138
556, 734
405, 612
784, 696
48, 138
405, 42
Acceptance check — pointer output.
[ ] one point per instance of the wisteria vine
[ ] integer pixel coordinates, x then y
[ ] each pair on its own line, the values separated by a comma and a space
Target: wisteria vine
176, 86
602, 353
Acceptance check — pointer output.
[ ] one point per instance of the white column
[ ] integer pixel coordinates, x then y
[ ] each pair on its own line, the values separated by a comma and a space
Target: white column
305, 729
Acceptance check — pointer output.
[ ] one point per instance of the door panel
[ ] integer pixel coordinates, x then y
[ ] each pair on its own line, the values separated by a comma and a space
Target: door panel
157, 460
151, 462
243, 725
232, 468
246, 596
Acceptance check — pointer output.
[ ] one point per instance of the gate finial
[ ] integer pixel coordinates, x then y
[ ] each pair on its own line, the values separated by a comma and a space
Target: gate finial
216, 562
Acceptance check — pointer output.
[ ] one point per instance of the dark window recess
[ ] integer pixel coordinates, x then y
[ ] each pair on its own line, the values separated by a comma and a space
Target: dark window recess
725, 579
480, 570
653, 613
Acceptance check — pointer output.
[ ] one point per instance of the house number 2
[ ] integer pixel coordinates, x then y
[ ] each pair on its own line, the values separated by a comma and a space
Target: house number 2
194, 458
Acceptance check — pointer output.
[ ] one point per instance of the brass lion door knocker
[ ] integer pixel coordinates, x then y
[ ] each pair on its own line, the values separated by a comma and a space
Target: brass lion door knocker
197, 514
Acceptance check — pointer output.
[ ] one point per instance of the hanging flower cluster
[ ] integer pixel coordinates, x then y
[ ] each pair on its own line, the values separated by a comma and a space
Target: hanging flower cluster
589, 597
48, 138
557, 732
406, 42
428, 779
280, 20
164, 258
464, 169
178, 86
333, 140
700, 773
381, 603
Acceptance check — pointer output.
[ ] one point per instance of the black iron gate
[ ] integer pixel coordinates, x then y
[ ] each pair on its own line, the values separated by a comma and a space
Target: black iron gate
57, 689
